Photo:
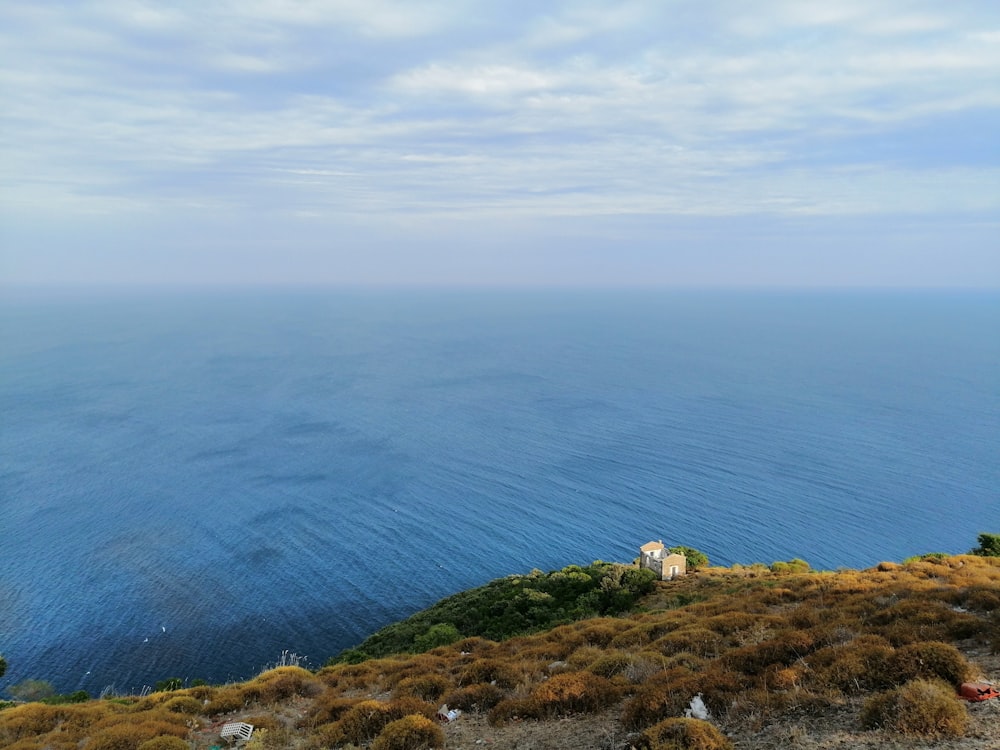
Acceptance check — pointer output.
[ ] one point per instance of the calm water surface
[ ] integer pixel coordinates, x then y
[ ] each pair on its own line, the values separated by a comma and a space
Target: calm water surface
192, 482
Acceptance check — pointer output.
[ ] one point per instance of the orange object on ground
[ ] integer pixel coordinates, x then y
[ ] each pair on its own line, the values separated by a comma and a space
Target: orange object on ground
978, 691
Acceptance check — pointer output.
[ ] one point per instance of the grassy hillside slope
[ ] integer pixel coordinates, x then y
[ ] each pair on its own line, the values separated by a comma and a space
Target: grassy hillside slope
780, 658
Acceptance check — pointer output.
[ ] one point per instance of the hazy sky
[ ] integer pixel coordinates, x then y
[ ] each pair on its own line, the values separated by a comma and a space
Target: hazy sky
776, 142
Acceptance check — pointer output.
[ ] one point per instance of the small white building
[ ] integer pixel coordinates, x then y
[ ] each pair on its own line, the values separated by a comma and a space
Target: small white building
666, 564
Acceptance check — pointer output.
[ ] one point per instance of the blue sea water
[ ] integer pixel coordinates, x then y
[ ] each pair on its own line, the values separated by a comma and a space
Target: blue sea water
192, 481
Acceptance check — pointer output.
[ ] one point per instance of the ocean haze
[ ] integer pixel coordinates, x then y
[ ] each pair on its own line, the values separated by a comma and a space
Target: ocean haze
192, 481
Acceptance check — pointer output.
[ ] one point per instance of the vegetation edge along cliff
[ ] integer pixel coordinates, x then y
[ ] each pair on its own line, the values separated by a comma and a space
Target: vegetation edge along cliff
603, 656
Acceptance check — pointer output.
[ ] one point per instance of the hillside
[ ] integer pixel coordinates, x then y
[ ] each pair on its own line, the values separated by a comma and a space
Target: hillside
782, 657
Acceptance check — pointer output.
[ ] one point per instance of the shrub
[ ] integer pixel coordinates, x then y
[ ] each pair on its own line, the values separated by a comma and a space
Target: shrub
514, 708
989, 546
441, 634
611, 663
693, 639
574, 692
929, 659
327, 708
31, 690
413, 732
795, 565
365, 720
695, 558
280, 684
662, 696
225, 700
130, 736
489, 670
982, 598
783, 650
183, 704
480, 697
427, 687
683, 734
28, 720
164, 742
920, 707
854, 667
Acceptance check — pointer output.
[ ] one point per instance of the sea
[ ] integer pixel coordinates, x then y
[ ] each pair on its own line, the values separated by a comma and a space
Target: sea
201, 482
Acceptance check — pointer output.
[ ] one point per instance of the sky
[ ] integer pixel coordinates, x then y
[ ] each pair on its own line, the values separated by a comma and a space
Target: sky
424, 142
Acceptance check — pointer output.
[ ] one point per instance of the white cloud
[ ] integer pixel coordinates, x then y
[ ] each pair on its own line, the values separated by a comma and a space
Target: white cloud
383, 107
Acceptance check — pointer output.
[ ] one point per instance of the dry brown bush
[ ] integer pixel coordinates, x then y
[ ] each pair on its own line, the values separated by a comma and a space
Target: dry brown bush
267, 722
478, 646
165, 742
477, 698
683, 734
128, 736
513, 708
693, 639
929, 659
602, 631
29, 719
782, 650
428, 687
502, 674
574, 692
611, 663
183, 704
363, 721
981, 598
926, 708
853, 667
662, 696
226, 700
350, 676
327, 708
280, 684
397, 669
414, 732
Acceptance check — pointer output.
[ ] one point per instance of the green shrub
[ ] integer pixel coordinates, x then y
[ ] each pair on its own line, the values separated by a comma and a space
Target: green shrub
683, 734
989, 546
795, 565
920, 707
695, 558
413, 732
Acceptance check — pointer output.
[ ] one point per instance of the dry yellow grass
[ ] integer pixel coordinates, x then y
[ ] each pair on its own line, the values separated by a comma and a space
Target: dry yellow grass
764, 650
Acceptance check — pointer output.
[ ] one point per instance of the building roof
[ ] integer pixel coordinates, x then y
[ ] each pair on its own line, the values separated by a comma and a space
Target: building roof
651, 546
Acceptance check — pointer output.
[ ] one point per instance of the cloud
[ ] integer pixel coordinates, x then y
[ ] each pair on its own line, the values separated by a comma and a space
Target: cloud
389, 110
